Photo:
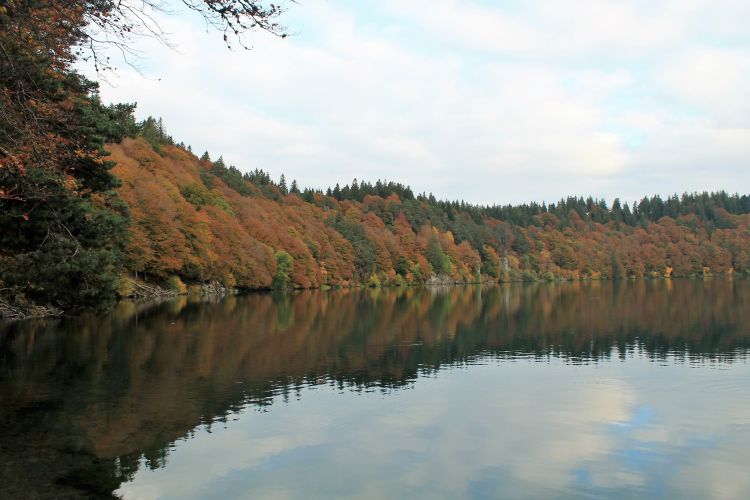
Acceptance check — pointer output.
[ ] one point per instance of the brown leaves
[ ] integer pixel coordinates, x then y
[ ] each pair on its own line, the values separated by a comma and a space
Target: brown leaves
7, 159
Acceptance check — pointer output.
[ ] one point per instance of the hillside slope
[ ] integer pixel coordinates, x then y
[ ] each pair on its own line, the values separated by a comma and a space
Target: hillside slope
188, 222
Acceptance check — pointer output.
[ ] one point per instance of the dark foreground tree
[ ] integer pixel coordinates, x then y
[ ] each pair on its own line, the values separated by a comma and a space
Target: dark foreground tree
61, 224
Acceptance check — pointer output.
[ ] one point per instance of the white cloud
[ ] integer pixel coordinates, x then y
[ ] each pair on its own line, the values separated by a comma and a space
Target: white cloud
469, 25
715, 82
613, 28
470, 101
534, 430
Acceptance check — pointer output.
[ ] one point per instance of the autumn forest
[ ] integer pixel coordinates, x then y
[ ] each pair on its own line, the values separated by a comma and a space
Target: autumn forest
202, 220
92, 202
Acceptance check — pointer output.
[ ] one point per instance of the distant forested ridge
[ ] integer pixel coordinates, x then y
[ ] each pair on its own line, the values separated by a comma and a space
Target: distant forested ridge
200, 219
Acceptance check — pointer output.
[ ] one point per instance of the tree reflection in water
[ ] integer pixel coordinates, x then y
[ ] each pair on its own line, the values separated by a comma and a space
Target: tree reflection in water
85, 401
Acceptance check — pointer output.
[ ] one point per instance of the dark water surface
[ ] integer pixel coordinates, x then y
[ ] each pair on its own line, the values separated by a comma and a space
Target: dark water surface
618, 390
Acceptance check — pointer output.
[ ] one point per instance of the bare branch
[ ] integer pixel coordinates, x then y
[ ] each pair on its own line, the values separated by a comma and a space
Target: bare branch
120, 23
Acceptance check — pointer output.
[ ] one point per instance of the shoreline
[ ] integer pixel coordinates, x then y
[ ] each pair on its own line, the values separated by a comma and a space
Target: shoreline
143, 291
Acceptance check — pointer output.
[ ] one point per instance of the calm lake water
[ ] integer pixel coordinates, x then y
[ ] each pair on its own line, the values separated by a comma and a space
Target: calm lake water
636, 389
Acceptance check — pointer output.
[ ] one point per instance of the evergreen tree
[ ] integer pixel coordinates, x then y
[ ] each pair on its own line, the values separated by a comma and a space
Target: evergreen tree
618, 270
617, 212
627, 215
355, 195
149, 130
61, 224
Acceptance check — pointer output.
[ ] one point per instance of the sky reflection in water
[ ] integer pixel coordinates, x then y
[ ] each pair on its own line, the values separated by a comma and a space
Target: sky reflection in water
503, 429
624, 390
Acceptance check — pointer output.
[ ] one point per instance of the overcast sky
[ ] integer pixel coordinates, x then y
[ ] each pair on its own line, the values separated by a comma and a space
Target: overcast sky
486, 101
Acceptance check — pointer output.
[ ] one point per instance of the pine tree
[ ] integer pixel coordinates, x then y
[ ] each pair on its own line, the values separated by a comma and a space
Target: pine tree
61, 224
617, 212
354, 191
617, 269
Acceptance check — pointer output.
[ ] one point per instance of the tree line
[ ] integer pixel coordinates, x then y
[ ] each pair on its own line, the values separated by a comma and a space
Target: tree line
249, 231
648, 209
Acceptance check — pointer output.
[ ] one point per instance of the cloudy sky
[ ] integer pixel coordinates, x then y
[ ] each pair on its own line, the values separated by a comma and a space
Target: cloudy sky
486, 101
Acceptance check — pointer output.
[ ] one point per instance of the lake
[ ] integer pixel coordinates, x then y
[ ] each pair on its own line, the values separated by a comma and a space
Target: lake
625, 389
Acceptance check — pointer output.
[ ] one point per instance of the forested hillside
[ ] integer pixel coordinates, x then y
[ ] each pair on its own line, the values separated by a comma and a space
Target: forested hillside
202, 220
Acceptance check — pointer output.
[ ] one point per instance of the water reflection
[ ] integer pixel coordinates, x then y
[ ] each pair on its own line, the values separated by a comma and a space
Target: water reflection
616, 405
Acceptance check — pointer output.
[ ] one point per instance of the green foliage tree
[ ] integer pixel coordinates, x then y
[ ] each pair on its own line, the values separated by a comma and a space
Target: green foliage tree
618, 270
440, 262
364, 253
284, 267
153, 131
402, 266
